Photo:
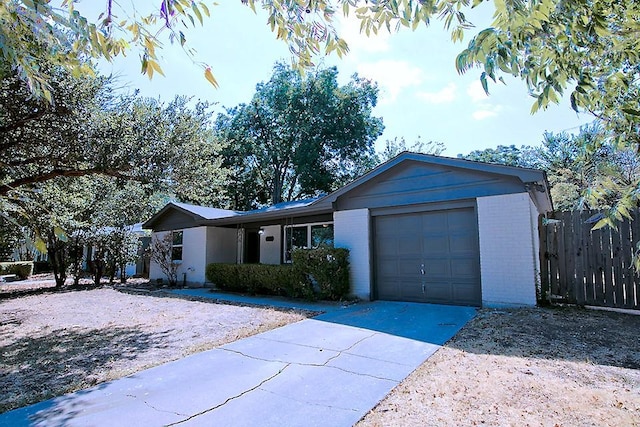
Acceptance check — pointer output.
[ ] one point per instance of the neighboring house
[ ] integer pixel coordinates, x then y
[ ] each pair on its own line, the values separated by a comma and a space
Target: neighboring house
419, 228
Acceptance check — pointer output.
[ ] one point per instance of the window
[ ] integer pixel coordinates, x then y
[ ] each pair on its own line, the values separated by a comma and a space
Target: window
307, 236
322, 236
176, 246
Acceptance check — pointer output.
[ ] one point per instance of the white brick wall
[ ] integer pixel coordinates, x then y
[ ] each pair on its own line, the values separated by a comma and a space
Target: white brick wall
270, 250
194, 256
507, 250
352, 230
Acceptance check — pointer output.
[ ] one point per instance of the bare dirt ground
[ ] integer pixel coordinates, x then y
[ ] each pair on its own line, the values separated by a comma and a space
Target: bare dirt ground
54, 343
526, 367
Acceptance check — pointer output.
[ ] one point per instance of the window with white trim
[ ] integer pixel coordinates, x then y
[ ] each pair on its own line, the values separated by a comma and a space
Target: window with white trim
176, 245
306, 236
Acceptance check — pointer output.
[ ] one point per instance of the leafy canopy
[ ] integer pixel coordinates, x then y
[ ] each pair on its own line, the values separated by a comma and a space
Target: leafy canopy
588, 49
299, 136
37, 31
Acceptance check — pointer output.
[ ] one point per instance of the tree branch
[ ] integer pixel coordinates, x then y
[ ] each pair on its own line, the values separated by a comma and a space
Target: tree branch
6, 188
33, 116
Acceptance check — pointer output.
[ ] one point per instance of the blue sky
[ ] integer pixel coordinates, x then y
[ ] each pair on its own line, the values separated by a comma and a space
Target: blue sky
421, 93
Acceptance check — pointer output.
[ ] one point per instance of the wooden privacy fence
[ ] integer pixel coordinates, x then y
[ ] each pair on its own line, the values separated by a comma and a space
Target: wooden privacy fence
581, 266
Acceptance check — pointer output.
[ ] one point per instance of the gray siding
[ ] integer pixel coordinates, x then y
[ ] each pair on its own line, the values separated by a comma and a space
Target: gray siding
415, 182
174, 220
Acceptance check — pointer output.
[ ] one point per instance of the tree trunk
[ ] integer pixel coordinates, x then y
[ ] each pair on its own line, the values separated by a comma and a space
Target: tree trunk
77, 260
56, 259
294, 181
98, 275
276, 193
98, 270
123, 273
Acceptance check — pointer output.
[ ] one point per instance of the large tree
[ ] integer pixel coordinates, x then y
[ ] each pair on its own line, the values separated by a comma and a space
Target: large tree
587, 48
509, 155
94, 160
299, 136
90, 130
395, 146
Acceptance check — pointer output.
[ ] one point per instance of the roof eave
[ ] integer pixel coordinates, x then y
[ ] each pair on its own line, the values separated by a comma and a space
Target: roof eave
151, 221
270, 215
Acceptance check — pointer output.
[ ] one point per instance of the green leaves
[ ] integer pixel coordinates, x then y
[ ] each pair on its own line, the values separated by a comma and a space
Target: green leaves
297, 136
34, 32
60, 233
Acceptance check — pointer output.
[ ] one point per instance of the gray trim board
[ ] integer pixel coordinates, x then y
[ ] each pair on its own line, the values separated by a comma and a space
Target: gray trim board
424, 207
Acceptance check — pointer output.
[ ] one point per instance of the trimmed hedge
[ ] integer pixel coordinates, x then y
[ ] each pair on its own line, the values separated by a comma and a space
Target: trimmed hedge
259, 279
22, 269
325, 269
315, 274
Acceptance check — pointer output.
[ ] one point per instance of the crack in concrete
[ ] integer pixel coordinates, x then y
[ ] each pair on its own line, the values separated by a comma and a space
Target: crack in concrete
346, 350
157, 409
308, 345
231, 398
325, 364
309, 403
364, 375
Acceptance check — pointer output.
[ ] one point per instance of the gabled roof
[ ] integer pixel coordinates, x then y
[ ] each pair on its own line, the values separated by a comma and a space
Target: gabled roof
199, 213
527, 176
280, 210
205, 212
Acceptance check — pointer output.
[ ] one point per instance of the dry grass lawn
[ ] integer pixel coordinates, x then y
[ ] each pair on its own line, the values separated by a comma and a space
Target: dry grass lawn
55, 343
527, 367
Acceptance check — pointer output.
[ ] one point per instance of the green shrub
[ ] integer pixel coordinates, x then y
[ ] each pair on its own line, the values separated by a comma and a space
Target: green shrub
41, 267
259, 279
315, 274
22, 269
326, 270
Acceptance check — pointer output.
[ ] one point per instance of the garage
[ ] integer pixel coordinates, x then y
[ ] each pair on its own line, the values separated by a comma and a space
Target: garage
430, 256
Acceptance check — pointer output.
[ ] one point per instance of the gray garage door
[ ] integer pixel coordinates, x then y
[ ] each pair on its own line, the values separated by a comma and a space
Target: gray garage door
428, 257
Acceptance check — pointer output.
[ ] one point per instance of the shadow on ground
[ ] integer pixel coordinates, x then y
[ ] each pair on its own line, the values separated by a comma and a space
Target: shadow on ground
38, 368
430, 323
561, 333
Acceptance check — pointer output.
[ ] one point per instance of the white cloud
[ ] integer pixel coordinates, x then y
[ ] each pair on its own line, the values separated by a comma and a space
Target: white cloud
486, 111
392, 76
476, 92
445, 95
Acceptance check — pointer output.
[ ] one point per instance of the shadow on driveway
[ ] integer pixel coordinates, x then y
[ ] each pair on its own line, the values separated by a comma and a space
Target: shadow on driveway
431, 323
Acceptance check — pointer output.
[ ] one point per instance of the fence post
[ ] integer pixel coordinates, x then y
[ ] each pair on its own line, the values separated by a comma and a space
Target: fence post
543, 296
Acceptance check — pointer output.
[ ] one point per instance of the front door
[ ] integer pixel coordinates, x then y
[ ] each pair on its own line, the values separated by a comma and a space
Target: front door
252, 247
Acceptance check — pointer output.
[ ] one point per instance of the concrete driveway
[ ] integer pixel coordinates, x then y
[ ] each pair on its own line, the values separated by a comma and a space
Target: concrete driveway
326, 371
